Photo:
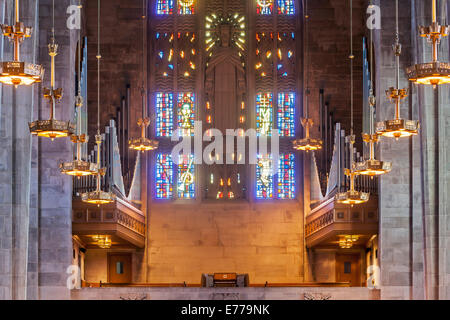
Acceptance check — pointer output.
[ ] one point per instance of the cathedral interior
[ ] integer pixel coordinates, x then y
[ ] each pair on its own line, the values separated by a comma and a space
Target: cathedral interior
349, 198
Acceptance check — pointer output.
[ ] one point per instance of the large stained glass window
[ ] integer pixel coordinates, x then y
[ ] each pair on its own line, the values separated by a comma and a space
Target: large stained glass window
164, 6
186, 114
186, 6
264, 114
186, 174
264, 6
286, 7
264, 177
164, 176
286, 176
164, 114
286, 114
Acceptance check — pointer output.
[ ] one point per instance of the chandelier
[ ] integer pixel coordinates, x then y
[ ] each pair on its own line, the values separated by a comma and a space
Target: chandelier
143, 143
372, 167
351, 196
18, 72
78, 167
397, 127
52, 128
307, 143
98, 196
102, 241
431, 73
347, 241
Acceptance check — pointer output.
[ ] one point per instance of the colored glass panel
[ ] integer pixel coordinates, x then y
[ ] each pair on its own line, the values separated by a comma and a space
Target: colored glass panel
264, 114
264, 7
186, 6
286, 7
164, 114
264, 177
164, 7
286, 114
186, 114
164, 176
286, 177
186, 175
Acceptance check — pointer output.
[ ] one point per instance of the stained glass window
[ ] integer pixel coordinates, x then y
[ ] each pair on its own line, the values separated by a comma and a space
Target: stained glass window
186, 114
286, 114
286, 7
164, 176
264, 7
186, 182
164, 114
264, 177
164, 6
286, 177
186, 6
264, 114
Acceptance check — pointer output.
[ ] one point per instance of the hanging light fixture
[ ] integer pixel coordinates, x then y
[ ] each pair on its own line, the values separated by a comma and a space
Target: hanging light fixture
307, 143
52, 128
347, 241
18, 72
78, 167
398, 127
372, 167
352, 196
143, 143
431, 73
103, 241
98, 196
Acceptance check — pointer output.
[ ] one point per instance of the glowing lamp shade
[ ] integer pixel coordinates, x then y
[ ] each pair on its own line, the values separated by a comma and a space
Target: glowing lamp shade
352, 197
78, 168
398, 128
373, 167
307, 144
98, 197
52, 129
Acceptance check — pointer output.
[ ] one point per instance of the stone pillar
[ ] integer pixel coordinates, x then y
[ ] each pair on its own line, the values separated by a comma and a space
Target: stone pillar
55, 190
414, 232
15, 165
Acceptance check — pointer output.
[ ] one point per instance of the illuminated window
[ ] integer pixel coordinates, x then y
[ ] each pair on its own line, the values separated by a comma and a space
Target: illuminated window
186, 183
164, 176
164, 6
286, 7
286, 114
164, 114
186, 114
264, 7
186, 6
264, 114
286, 177
264, 177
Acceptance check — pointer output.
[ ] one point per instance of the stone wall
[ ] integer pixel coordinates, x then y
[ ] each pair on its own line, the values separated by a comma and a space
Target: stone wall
413, 204
298, 293
263, 240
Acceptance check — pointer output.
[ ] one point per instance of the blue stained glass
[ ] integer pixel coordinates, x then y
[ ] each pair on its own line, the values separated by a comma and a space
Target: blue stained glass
286, 7
286, 176
164, 7
164, 176
164, 114
264, 112
186, 177
264, 177
286, 114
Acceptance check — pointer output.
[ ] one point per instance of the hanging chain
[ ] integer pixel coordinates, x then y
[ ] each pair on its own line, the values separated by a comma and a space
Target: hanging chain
306, 58
98, 69
351, 66
372, 100
144, 91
